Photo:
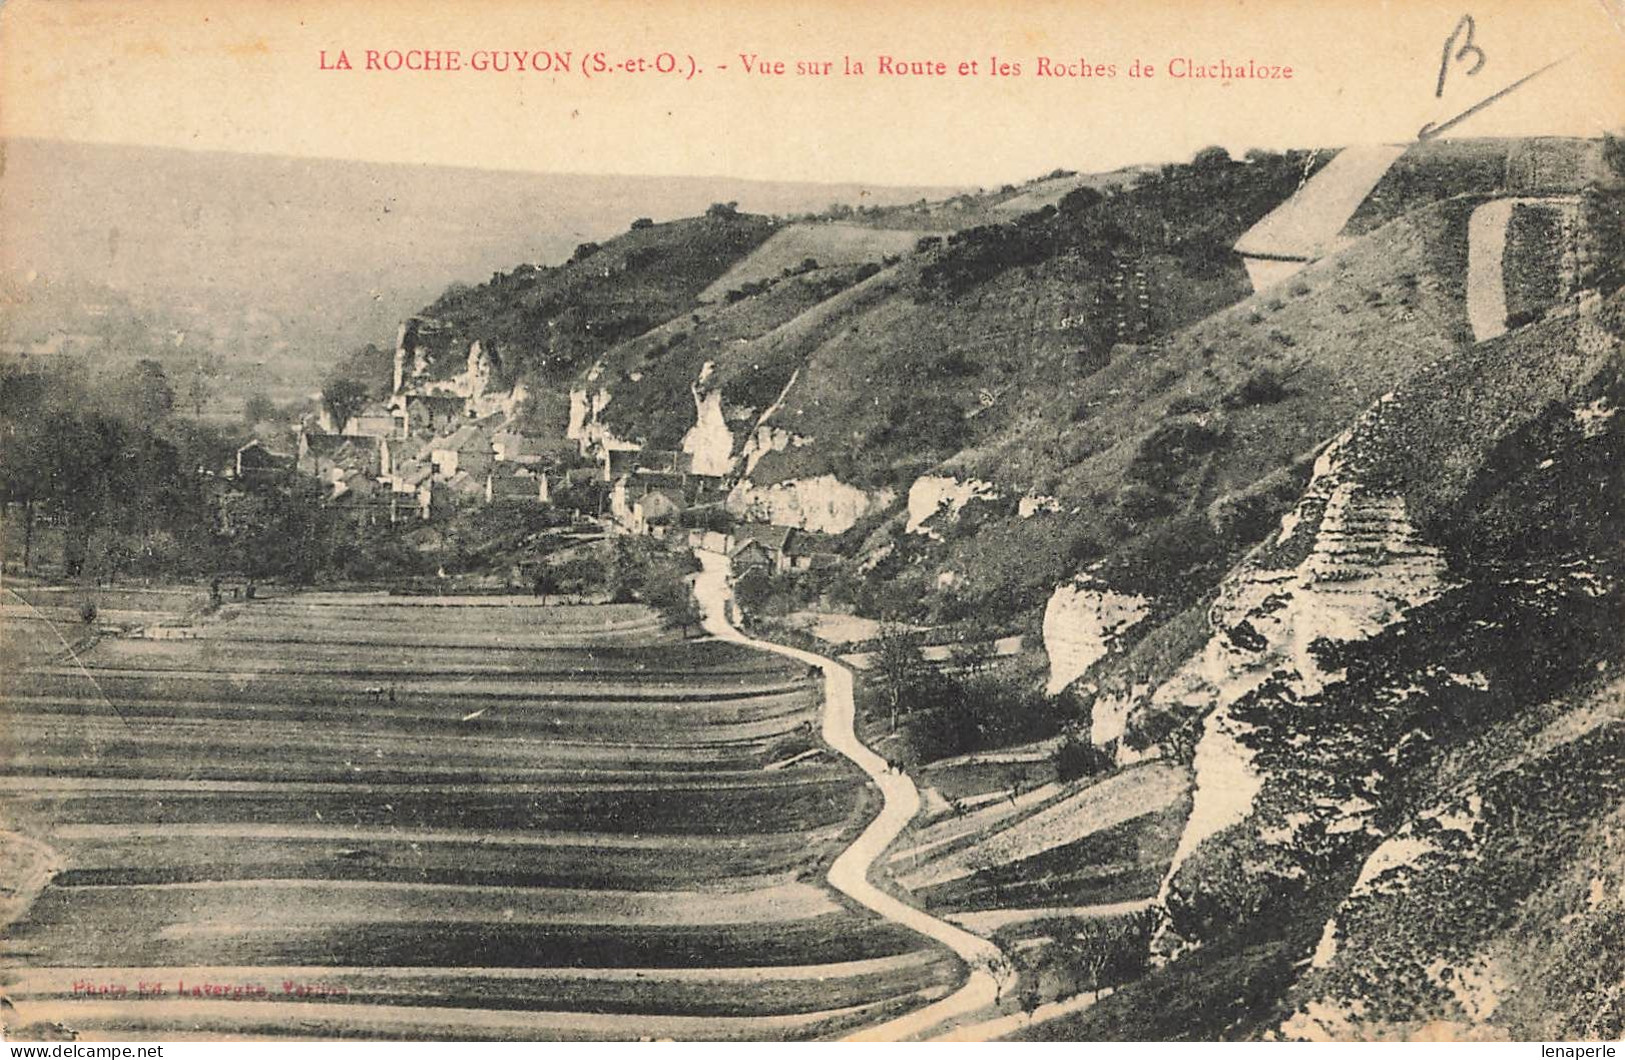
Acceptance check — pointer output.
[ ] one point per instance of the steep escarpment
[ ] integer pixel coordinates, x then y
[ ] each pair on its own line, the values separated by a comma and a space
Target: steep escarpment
1452, 562
1402, 717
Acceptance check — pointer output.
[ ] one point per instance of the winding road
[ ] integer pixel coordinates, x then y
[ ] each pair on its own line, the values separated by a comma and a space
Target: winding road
990, 974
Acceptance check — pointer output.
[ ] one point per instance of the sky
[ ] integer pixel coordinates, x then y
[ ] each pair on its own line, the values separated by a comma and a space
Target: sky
244, 76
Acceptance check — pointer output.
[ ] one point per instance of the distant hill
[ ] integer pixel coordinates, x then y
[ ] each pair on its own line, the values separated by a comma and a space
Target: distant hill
295, 262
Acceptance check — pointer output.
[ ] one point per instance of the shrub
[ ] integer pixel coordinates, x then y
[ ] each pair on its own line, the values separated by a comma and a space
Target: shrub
1169, 451
643, 222
1076, 757
1140, 502
1186, 405
753, 589
1263, 387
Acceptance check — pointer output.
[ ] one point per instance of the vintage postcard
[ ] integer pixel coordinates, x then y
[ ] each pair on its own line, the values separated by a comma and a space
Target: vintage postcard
818, 520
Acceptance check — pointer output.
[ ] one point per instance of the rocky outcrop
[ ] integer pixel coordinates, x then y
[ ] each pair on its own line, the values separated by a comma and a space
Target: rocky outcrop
1436, 574
1083, 622
709, 442
934, 498
1363, 569
770, 439
587, 429
825, 504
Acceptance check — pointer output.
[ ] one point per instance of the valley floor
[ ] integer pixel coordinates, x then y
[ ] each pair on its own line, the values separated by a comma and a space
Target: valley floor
559, 827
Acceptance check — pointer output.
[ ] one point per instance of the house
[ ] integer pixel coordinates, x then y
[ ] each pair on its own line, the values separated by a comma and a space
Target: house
320, 454
419, 492
656, 511
757, 544
675, 480
375, 420
661, 461
409, 475
515, 487
255, 462
753, 555
465, 484
354, 484
467, 449
529, 450
418, 414
811, 551
363, 498
617, 463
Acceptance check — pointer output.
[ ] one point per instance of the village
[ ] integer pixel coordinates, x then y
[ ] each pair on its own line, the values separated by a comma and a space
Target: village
439, 447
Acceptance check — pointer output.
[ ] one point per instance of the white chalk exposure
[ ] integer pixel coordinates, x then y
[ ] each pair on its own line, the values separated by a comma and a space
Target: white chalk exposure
1082, 623
934, 495
1366, 569
709, 441
769, 439
824, 503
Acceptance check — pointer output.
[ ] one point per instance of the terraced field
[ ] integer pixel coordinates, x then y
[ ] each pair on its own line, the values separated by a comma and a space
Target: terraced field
433, 817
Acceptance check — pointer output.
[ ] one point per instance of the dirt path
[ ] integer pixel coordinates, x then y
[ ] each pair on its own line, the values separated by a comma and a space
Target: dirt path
1486, 256
990, 974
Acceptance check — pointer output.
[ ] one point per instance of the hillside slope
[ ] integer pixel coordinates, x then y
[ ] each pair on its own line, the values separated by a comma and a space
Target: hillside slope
1375, 786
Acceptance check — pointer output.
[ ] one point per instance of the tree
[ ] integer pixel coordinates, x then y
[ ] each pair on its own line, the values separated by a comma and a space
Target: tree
200, 385
1209, 158
900, 664
343, 398
752, 590
145, 391
668, 593
1105, 951
722, 210
1089, 953
546, 583
257, 409
976, 650
1031, 998
1076, 757
642, 222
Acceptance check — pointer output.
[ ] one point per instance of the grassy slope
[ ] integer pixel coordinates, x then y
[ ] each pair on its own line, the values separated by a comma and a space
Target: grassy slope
656, 406
551, 322
828, 244
1347, 330
977, 327
1523, 905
